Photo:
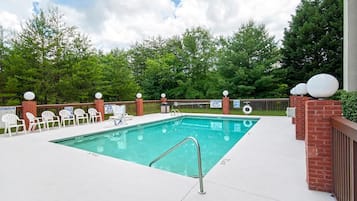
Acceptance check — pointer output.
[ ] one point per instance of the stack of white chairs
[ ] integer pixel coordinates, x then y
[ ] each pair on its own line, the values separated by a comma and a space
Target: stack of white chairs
13, 121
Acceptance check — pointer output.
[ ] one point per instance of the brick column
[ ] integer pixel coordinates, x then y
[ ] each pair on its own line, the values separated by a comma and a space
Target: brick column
28, 106
139, 107
292, 104
99, 106
225, 105
300, 116
318, 142
163, 100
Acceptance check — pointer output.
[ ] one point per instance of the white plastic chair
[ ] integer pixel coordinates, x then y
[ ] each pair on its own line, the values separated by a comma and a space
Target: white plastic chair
94, 115
81, 114
66, 116
34, 121
13, 121
50, 118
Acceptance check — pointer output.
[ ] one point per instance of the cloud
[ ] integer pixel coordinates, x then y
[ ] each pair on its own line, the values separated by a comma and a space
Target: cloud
120, 23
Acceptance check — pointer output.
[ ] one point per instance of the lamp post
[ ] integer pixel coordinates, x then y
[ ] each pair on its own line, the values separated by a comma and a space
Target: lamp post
318, 134
225, 102
300, 90
139, 105
99, 103
29, 105
163, 98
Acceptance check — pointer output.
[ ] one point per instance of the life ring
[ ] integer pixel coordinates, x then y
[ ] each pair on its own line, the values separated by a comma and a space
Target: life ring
247, 123
247, 109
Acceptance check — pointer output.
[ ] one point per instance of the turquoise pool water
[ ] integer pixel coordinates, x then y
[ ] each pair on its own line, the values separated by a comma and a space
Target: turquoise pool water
143, 143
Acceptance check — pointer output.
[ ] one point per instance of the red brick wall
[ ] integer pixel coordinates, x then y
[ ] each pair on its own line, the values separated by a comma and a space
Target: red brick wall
300, 116
318, 140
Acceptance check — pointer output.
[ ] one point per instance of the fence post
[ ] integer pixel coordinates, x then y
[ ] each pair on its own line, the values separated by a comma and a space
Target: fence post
225, 105
139, 105
318, 142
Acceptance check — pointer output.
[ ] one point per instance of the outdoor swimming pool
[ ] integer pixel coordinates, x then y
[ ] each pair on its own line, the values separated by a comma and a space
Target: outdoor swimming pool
143, 143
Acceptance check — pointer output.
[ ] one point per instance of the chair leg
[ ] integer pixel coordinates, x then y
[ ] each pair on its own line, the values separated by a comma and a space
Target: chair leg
9, 130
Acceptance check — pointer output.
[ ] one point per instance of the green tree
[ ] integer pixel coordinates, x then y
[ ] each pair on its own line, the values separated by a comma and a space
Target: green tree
249, 63
51, 59
313, 43
199, 63
118, 82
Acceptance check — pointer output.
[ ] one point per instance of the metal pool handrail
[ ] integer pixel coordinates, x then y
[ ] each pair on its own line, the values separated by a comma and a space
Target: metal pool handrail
199, 161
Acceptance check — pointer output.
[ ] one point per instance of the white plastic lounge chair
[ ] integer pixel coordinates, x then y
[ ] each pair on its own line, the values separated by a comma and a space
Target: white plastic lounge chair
66, 116
81, 114
50, 118
13, 121
34, 121
118, 114
94, 115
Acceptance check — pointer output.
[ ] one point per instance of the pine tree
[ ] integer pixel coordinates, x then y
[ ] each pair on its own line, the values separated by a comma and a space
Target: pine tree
313, 42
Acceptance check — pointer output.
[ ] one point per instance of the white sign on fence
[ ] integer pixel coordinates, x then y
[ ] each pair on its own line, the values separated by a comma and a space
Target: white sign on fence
215, 104
236, 103
108, 109
6, 110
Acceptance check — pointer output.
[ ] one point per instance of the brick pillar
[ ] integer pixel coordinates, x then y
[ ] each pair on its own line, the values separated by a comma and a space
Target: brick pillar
318, 142
139, 107
292, 104
28, 106
300, 116
99, 106
163, 100
225, 105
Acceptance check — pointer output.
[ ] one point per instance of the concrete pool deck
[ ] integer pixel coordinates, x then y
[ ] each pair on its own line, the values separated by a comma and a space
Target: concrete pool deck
267, 164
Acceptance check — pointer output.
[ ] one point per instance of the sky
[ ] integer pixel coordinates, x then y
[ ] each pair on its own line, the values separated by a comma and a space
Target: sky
120, 23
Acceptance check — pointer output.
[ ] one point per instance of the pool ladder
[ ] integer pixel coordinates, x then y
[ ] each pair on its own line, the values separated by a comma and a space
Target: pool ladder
199, 161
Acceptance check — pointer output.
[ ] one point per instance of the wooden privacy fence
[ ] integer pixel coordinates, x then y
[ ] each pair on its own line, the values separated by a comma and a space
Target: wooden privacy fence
344, 159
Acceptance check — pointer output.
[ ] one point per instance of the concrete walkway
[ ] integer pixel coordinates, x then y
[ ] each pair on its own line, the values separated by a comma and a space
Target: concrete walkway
268, 164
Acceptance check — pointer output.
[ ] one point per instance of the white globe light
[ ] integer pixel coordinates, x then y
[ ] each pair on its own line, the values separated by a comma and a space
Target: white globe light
98, 95
301, 89
293, 91
163, 95
139, 95
225, 93
322, 85
29, 95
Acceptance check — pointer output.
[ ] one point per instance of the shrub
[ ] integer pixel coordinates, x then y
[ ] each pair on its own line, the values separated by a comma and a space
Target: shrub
349, 105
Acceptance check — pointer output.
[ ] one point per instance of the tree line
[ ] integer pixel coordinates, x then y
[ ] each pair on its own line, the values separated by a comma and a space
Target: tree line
60, 65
